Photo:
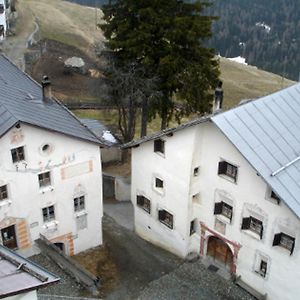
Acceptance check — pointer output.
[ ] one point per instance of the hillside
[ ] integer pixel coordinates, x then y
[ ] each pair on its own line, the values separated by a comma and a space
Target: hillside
73, 29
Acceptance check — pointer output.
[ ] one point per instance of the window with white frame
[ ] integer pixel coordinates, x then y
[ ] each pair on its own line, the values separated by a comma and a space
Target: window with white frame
165, 218
228, 170
18, 154
159, 183
159, 146
143, 203
44, 179
3, 192
285, 241
79, 203
262, 268
222, 208
48, 213
254, 225
193, 225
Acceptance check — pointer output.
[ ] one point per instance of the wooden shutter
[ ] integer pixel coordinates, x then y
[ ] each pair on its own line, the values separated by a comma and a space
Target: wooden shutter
222, 167
218, 208
277, 238
246, 223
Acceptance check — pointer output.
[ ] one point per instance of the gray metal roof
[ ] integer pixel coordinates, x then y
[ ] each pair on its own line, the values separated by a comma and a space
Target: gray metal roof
19, 275
267, 133
21, 101
101, 131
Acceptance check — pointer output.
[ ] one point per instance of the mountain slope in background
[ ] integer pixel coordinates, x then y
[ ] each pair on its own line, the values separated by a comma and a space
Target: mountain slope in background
265, 32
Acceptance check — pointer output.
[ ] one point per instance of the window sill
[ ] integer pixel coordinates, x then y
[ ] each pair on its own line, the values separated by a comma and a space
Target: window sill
223, 219
228, 178
166, 225
80, 213
51, 224
159, 191
45, 189
5, 202
160, 154
252, 234
144, 209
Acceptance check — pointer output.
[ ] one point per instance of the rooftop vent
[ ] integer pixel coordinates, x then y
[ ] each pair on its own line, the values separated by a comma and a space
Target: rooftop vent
46, 85
218, 101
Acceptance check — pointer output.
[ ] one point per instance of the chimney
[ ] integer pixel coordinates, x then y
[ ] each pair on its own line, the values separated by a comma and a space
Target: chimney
46, 85
218, 101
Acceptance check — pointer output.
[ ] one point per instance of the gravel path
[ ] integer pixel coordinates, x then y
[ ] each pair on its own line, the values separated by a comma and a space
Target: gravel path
194, 282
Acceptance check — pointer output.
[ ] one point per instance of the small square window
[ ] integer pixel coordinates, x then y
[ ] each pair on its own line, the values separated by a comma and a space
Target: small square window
262, 268
196, 171
275, 197
159, 183
193, 227
253, 225
79, 203
222, 208
159, 146
228, 170
17, 154
143, 203
48, 214
44, 179
165, 218
285, 241
3, 192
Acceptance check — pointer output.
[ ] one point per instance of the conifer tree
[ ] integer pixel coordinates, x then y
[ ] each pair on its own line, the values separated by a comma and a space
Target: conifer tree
166, 37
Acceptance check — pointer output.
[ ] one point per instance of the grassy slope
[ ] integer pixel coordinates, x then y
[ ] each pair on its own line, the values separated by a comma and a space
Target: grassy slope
75, 25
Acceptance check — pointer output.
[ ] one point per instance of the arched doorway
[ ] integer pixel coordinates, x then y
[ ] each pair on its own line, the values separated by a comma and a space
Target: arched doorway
220, 252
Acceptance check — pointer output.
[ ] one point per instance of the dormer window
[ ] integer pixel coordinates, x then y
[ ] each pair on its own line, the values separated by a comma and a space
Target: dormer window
18, 154
159, 146
285, 241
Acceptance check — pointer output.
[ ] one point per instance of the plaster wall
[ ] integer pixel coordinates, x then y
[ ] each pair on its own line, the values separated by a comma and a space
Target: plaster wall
75, 169
174, 169
3, 19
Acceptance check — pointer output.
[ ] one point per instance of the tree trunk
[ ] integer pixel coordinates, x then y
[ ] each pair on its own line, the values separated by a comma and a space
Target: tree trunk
144, 117
164, 113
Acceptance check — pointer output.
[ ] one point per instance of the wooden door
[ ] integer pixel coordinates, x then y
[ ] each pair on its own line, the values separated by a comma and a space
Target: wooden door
219, 251
9, 238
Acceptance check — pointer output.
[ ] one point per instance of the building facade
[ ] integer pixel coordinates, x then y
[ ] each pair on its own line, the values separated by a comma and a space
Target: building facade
50, 170
5, 11
226, 187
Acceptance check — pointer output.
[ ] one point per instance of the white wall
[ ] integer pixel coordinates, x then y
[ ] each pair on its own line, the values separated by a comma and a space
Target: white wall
204, 146
26, 296
67, 162
3, 18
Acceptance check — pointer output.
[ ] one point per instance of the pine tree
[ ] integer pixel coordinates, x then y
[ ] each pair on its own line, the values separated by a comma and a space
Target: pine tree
166, 37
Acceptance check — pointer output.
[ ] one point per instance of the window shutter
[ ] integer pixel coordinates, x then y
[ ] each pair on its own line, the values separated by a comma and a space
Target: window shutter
261, 231
218, 208
246, 223
222, 167
156, 146
161, 214
277, 238
292, 249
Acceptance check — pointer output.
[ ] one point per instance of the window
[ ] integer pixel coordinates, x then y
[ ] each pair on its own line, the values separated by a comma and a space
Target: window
48, 213
143, 203
159, 183
196, 171
275, 197
3, 192
222, 208
262, 268
81, 222
159, 146
228, 170
1, 8
166, 218
79, 203
44, 179
253, 225
192, 227
17, 154
285, 241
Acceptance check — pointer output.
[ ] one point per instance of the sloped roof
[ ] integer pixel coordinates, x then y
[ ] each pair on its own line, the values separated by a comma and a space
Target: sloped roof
21, 101
267, 133
19, 275
101, 131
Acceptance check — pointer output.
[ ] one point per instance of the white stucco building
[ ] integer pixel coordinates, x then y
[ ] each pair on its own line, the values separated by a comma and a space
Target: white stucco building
50, 169
227, 186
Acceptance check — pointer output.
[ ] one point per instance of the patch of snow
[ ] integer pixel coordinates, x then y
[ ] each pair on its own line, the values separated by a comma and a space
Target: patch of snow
108, 136
239, 59
242, 44
263, 25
